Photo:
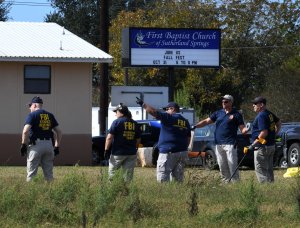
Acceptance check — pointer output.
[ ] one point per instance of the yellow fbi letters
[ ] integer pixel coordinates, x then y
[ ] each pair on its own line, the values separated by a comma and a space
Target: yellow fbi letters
129, 130
45, 122
181, 123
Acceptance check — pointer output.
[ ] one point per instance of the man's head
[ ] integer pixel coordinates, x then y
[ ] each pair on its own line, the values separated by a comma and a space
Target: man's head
36, 102
121, 110
171, 107
259, 104
227, 101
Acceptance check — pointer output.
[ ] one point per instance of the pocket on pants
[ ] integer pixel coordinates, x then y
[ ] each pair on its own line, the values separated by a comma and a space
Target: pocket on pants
162, 160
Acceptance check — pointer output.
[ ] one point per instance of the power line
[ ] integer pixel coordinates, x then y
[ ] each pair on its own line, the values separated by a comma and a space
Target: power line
16, 3
258, 47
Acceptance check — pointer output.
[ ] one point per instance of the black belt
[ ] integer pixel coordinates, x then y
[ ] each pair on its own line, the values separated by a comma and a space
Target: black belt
263, 147
44, 138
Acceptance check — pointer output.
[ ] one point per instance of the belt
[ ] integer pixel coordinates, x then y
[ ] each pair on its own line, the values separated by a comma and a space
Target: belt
43, 138
262, 146
172, 152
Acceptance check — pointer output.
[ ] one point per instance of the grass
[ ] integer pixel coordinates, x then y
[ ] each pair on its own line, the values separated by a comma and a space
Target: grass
83, 197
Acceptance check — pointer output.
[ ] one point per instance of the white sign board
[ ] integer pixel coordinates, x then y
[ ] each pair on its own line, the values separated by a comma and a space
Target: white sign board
176, 47
155, 96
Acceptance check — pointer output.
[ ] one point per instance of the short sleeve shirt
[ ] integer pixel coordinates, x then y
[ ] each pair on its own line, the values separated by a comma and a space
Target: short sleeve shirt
174, 133
125, 131
265, 120
42, 123
226, 126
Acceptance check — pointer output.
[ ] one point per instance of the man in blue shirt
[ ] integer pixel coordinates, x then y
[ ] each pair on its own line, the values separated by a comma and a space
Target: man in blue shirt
227, 121
124, 137
265, 126
40, 140
174, 138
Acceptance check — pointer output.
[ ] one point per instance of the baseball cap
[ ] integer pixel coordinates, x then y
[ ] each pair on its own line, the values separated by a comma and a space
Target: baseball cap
259, 100
228, 97
171, 105
122, 109
35, 100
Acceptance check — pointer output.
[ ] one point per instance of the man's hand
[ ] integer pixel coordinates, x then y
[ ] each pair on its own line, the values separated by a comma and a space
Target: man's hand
251, 148
262, 141
139, 101
23, 149
56, 151
106, 154
248, 149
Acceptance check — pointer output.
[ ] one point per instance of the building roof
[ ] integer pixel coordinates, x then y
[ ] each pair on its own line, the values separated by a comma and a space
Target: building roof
46, 42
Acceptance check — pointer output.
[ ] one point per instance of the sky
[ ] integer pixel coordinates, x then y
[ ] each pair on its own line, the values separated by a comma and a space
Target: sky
29, 10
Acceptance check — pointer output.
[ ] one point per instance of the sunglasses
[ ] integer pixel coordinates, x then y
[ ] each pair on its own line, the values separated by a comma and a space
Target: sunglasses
168, 109
225, 102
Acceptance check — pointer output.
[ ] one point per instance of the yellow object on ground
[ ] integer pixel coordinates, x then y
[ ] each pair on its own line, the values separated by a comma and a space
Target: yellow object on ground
292, 172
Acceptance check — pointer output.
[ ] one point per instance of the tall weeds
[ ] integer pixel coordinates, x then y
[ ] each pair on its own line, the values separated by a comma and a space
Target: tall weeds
296, 194
248, 210
83, 197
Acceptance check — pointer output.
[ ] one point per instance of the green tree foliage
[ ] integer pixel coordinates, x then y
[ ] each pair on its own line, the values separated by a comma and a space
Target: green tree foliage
80, 17
282, 90
4, 10
116, 7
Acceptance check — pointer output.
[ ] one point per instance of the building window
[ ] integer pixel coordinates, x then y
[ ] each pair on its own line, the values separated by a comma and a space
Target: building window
37, 79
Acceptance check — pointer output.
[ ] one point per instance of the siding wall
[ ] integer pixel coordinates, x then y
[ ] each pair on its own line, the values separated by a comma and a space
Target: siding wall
70, 101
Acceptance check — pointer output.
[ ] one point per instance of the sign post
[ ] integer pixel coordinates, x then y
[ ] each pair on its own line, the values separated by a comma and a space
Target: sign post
170, 48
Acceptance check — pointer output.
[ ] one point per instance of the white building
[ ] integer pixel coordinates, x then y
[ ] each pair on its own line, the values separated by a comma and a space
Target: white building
46, 60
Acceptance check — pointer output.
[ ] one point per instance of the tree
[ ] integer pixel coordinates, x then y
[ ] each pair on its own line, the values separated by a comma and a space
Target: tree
4, 10
259, 37
282, 91
251, 32
80, 17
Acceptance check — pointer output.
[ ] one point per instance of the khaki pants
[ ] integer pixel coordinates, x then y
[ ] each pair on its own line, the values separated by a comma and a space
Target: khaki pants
40, 153
127, 162
227, 161
171, 165
263, 162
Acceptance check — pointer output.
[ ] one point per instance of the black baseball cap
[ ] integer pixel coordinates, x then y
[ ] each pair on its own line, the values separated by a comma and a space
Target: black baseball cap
36, 99
259, 100
122, 109
171, 105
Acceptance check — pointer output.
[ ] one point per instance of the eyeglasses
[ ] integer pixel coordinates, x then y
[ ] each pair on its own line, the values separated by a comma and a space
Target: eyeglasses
167, 109
225, 102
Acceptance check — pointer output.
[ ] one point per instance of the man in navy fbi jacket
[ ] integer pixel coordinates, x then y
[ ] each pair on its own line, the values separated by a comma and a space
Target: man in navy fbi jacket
41, 138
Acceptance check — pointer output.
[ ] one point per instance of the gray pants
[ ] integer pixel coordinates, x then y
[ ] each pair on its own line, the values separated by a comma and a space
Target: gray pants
126, 162
263, 162
40, 153
171, 165
227, 161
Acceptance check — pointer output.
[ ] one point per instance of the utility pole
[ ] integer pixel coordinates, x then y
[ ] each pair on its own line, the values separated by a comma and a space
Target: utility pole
171, 76
103, 69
